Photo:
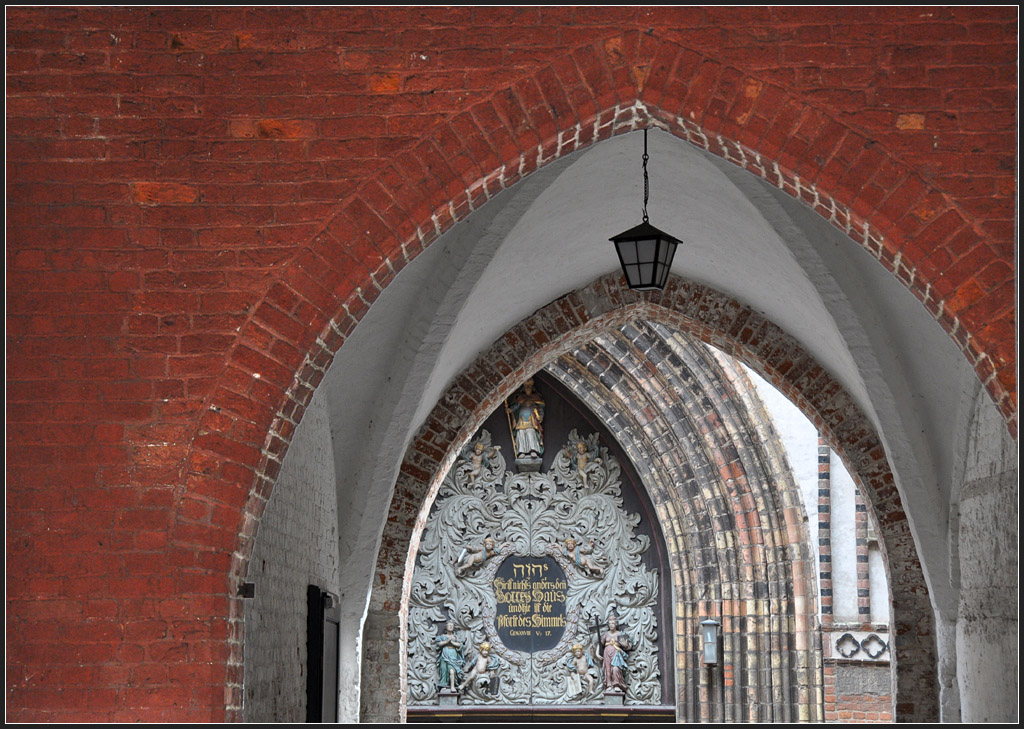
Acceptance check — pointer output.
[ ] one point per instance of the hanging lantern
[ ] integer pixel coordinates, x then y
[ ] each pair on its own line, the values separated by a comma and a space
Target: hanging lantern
645, 253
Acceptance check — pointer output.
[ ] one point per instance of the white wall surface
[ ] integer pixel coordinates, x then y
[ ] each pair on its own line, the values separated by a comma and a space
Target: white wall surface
297, 545
800, 439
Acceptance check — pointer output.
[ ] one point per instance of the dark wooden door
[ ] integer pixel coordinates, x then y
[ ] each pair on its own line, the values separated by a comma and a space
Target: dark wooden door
322, 629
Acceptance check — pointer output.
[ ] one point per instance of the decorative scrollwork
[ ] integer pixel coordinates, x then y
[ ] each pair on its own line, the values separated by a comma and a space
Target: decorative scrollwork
573, 514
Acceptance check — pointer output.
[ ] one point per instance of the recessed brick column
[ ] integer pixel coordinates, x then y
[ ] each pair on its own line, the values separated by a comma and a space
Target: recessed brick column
825, 529
863, 569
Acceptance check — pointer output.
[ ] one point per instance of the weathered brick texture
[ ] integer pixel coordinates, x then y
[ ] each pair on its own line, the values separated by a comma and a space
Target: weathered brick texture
202, 203
857, 693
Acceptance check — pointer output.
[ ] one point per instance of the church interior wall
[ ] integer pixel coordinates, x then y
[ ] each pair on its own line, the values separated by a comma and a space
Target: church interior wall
443, 425
297, 546
296, 524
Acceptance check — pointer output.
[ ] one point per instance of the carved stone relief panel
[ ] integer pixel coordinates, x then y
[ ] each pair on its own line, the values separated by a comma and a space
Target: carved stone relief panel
530, 588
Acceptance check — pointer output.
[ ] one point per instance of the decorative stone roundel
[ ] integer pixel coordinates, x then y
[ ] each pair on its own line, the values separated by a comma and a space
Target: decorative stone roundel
874, 646
847, 645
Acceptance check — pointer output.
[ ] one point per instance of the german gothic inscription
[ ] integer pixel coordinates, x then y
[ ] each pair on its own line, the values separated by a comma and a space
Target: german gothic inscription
530, 587
530, 603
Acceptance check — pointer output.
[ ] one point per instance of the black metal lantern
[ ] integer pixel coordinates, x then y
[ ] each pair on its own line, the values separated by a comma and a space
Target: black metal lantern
645, 252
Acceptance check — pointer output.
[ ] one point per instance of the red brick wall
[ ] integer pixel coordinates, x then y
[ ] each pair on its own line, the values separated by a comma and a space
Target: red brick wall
855, 708
187, 194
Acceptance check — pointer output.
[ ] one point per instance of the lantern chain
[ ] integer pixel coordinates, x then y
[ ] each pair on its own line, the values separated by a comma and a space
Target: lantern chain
646, 183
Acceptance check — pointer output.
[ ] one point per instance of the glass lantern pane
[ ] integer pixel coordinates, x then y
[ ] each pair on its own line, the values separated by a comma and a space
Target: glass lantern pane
627, 250
663, 251
646, 249
670, 253
709, 654
661, 275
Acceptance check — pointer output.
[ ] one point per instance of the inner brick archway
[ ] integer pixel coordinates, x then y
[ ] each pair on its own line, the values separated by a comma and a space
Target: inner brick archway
568, 324
694, 434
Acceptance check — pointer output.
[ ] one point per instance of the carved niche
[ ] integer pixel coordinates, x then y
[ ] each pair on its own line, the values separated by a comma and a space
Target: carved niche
525, 570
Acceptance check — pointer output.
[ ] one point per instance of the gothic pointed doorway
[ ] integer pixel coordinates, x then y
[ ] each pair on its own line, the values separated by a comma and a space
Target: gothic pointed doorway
733, 551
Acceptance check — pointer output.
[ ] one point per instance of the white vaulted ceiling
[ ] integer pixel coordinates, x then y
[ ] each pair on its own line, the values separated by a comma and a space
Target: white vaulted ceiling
548, 235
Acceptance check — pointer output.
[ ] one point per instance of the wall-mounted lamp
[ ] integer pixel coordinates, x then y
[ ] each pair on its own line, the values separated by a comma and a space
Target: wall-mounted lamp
645, 252
709, 638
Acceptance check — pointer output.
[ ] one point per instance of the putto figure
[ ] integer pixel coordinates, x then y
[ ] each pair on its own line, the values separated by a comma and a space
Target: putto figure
583, 557
582, 458
579, 665
473, 556
527, 415
481, 669
479, 458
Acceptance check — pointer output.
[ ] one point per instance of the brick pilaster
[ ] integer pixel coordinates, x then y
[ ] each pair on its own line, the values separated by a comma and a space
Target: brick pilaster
825, 529
863, 568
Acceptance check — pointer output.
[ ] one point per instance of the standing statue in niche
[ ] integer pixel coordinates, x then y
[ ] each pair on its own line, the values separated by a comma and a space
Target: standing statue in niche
481, 669
579, 665
449, 658
614, 645
479, 458
473, 556
526, 415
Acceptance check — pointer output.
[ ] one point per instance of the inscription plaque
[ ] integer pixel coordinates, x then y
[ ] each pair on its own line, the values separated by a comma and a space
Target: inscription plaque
530, 603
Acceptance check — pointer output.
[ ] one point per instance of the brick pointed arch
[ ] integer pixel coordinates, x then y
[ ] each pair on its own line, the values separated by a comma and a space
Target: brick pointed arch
697, 453
716, 319
125, 126
591, 93
598, 90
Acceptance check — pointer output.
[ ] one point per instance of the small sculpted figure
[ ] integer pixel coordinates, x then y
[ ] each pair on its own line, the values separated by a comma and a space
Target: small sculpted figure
614, 645
449, 658
479, 458
527, 414
473, 556
582, 458
579, 665
481, 669
582, 557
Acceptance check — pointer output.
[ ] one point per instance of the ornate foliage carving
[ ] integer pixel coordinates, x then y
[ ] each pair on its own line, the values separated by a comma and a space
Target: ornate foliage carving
572, 514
